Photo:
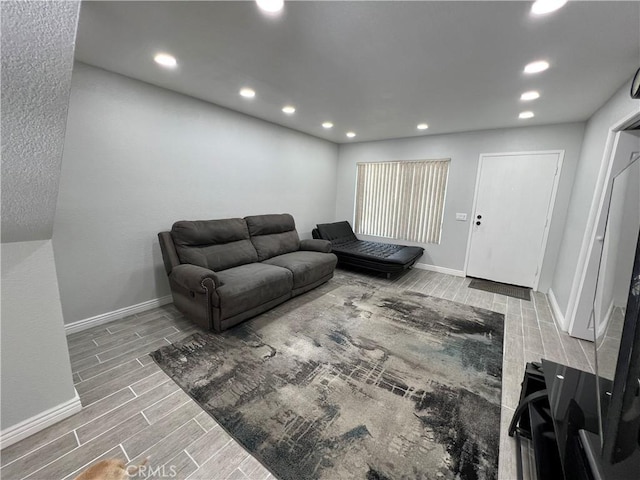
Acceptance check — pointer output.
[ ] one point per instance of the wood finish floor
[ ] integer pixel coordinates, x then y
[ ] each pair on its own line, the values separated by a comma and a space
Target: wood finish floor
133, 410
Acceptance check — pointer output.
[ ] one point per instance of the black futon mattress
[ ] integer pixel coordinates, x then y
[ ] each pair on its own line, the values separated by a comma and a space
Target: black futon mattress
382, 257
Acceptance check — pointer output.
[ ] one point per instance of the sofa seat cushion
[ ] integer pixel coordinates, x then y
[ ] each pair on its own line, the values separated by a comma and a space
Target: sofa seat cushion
247, 286
307, 267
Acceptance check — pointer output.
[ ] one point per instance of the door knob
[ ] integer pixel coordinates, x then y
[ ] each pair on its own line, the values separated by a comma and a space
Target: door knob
478, 223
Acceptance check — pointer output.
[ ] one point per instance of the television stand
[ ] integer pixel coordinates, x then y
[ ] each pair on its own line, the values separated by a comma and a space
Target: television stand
556, 402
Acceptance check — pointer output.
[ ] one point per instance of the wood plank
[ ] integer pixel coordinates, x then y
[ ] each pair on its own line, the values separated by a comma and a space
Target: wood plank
115, 452
170, 444
206, 421
98, 380
512, 375
84, 363
148, 383
142, 349
145, 359
39, 458
89, 451
253, 469
85, 335
553, 348
237, 474
67, 425
150, 435
90, 348
159, 409
141, 326
514, 348
180, 466
533, 340
507, 455
118, 383
105, 422
126, 347
222, 464
514, 306
211, 443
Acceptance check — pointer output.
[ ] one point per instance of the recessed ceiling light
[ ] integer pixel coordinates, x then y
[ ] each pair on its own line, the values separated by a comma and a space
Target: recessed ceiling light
536, 67
270, 6
540, 7
532, 95
289, 109
165, 60
327, 125
422, 126
351, 134
526, 115
248, 92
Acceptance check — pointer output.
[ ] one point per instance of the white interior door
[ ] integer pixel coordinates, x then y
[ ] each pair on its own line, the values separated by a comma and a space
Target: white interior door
514, 195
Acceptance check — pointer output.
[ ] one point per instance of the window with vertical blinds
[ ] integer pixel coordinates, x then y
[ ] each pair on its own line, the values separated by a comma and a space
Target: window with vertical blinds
402, 200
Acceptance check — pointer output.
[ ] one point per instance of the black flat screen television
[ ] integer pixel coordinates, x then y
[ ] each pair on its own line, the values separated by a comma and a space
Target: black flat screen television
616, 316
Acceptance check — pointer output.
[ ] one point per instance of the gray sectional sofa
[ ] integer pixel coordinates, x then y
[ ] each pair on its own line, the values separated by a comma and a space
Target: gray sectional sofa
222, 272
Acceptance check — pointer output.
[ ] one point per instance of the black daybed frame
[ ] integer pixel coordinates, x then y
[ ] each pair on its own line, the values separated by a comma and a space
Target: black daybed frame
381, 257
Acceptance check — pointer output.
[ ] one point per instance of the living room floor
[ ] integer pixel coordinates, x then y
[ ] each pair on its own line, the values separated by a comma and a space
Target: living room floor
133, 410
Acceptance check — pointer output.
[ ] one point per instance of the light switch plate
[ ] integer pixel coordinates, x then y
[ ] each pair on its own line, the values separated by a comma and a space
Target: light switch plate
462, 217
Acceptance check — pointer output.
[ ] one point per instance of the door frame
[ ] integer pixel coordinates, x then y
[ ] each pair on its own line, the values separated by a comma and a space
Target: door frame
569, 322
552, 203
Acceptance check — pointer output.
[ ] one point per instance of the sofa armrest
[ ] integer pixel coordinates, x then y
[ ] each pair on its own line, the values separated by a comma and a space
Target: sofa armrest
193, 277
316, 245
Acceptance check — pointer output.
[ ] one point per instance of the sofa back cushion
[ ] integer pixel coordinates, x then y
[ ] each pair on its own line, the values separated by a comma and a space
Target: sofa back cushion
214, 244
336, 233
273, 235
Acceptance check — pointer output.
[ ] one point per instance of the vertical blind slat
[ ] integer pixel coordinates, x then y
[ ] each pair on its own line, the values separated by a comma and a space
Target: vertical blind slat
402, 200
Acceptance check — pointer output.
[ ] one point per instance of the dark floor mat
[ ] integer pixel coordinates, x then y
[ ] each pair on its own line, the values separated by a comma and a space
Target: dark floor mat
502, 288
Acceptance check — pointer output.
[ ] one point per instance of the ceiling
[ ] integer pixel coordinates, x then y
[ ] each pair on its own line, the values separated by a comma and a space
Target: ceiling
376, 68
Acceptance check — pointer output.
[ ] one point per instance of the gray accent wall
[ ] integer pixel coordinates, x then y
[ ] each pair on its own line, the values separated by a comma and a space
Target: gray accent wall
138, 158
37, 59
464, 149
36, 371
591, 157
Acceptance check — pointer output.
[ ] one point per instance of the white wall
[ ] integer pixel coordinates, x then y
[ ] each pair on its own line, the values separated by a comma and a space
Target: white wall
629, 234
138, 158
464, 150
591, 159
36, 373
619, 246
37, 59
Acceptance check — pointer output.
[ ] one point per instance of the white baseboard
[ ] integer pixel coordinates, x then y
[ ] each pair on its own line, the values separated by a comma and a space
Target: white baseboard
434, 268
32, 425
80, 325
605, 322
555, 311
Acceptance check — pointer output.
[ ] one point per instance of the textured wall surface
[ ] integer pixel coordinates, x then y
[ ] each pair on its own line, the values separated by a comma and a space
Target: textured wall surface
37, 61
138, 158
464, 149
37, 56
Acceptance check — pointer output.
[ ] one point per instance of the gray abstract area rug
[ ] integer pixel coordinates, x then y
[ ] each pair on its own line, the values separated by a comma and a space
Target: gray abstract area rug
350, 382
